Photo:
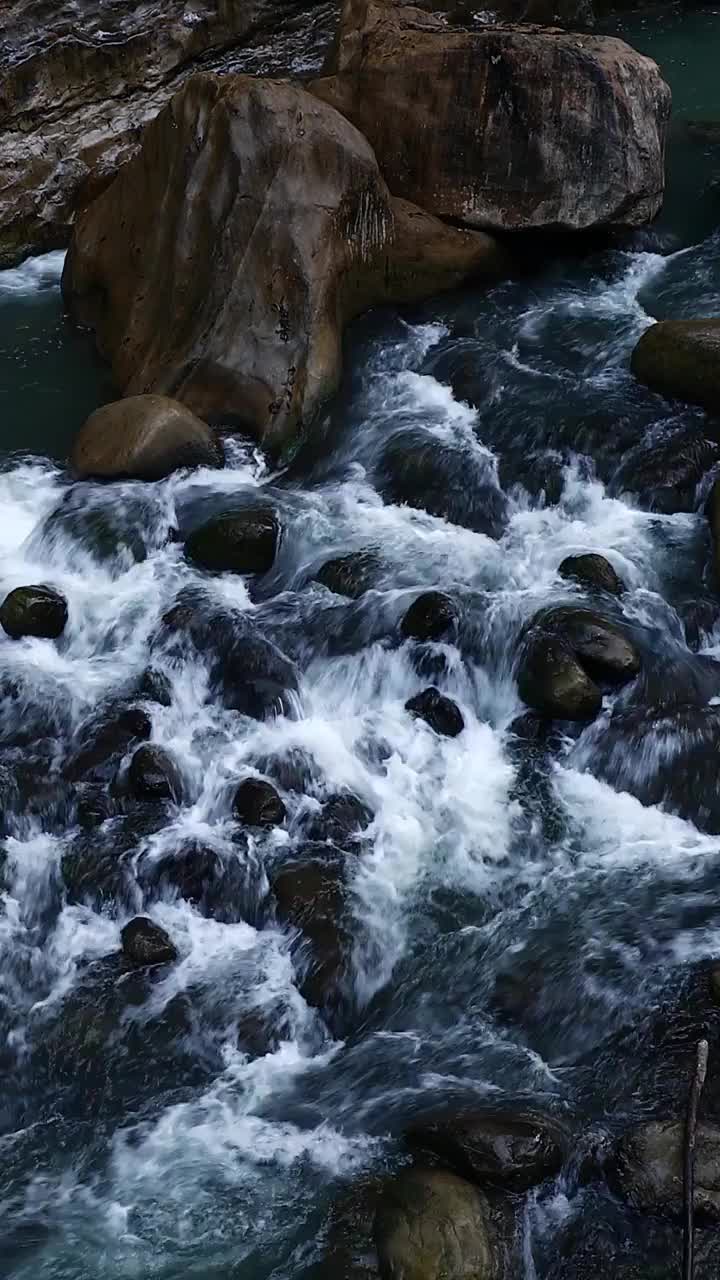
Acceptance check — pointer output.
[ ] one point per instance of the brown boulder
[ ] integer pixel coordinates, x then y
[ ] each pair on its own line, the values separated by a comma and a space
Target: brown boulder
223, 262
143, 438
78, 83
681, 359
432, 1225
648, 1168
511, 128
565, 655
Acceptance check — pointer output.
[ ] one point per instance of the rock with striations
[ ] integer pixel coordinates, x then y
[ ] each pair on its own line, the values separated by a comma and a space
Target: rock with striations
681, 359
432, 1225
511, 128
143, 438
242, 541
222, 264
34, 611
80, 80
648, 1168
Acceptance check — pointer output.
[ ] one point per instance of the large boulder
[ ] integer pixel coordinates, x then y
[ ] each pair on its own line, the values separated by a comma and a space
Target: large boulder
143, 438
432, 1225
79, 81
223, 262
512, 128
681, 359
648, 1168
34, 611
242, 541
566, 655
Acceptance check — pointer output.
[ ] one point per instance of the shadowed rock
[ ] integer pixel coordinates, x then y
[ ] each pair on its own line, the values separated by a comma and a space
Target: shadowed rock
34, 611
236, 542
143, 438
591, 571
258, 804
501, 1149
648, 1168
146, 943
439, 712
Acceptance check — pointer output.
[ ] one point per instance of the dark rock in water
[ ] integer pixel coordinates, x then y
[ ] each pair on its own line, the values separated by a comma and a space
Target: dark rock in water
249, 672
104, 525
154, 775
699, 618
212, 881
98, 866
93, 804
258, 804
146, 943
341, 821
592, 571
154, 686
350, 575
459, 484
681, 359
143, 438
714, 983
292, 770
350, 1253
34, 611
648, 1168
432, 616
432, 1225
102, 742
441, 713
667, 473
564, 653
310, 896
712, 510
243, 541
505, 1149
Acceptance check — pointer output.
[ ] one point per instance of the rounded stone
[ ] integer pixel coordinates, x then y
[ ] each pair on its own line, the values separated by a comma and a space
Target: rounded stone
236, 542
441, 713
432, 1225
146, 943
592, 571
154, 775
143, 438
34, 611
431, 616
258, 804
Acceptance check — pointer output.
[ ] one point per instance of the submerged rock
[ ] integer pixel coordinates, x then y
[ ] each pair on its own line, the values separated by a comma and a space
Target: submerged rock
214, 882
237, 169
237, 542
469, 123
453, 481
432, 1225
592, 571
103, 740
154, 775
648, 1168
341, 820
310, 896
34, 611
504, 1149
146, 943
258, 804
431, 616
681, 359
564, 654
143, 438
441, 713
350, 575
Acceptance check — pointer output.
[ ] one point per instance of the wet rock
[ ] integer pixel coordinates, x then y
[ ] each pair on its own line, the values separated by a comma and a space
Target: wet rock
102, 742
146, 943
247, 671
350, 575
97, 867
34, 611
714, 983
592, 571
648, 1168
667, 472
681, 359
257, 350
446, 112
432, 616
258, 804
143, 438
213, 882
564, 654
237, 542
341, 821
432, 1225
441, 713
310, 896
350, 1253
93, 805
505, 1149
456, 483
154, 686
113, 528
154, 775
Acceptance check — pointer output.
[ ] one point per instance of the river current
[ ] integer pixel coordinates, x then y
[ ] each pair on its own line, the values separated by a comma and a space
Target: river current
519, 934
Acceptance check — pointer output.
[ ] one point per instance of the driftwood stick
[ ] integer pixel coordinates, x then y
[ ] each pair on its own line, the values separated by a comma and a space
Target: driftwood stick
696, 1088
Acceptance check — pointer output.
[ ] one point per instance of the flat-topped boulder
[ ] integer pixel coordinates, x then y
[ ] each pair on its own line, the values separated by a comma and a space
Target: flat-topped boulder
504, 127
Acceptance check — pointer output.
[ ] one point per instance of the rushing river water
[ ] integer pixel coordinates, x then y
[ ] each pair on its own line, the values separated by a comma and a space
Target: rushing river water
522, 930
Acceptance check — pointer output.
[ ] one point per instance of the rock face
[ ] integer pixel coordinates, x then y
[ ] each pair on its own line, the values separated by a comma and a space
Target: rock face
34, 611
143, 438
681, 359
505, 1150
78, 83
511, 128
223, 262
649, 1168
431, 1225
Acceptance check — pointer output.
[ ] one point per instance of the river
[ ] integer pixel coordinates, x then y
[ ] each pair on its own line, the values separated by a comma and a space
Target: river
519, 935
